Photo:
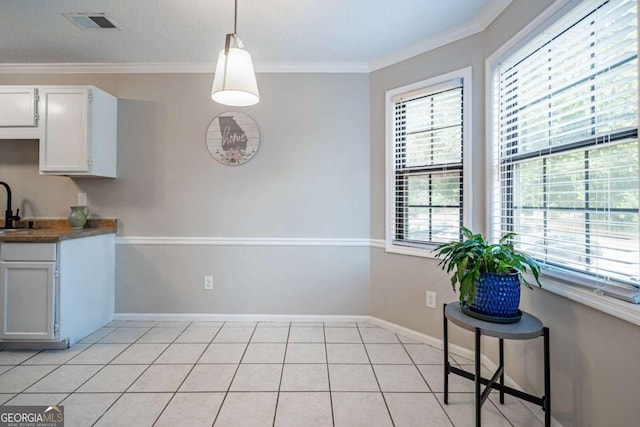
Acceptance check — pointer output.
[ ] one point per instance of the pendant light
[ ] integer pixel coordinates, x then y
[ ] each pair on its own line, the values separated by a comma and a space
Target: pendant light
234, 83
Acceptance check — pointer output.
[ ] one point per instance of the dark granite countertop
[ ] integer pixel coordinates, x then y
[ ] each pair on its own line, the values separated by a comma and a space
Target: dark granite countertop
48, 230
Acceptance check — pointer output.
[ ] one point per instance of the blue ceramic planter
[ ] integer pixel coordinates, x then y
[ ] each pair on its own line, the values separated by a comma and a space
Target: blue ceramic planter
497, 295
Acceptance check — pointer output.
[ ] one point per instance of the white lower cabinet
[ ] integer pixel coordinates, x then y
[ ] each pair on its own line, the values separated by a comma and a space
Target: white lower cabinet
28, 300
56, 292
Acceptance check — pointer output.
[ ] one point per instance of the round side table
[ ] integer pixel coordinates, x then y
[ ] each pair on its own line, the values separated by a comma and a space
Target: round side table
528, 327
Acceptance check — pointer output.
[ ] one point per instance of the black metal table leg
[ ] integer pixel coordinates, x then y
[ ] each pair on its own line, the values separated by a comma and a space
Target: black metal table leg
477, 378
547, 380
501, 345
446, 355
528, 327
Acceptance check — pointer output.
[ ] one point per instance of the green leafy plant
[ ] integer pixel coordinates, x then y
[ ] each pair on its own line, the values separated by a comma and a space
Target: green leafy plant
467, 260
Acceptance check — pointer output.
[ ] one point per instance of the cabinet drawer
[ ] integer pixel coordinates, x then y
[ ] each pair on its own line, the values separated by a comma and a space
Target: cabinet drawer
28, 251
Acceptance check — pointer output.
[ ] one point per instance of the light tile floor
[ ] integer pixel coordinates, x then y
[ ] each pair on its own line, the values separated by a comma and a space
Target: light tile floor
246, 374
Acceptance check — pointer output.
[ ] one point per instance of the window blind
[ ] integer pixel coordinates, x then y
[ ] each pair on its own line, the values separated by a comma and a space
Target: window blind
565, 149
427, 164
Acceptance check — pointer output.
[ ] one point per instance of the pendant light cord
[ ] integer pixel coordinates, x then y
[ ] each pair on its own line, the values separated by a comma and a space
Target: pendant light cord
235, 18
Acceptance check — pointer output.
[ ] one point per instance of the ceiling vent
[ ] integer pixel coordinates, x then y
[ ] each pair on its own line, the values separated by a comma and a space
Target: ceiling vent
92, 21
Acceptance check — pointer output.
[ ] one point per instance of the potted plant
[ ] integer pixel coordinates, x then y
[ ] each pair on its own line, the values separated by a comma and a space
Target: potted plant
488, 276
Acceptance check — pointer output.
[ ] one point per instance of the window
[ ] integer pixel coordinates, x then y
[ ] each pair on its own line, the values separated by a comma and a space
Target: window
427, 138
565, 147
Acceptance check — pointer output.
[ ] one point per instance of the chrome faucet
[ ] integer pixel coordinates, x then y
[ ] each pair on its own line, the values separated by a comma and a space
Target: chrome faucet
9, 217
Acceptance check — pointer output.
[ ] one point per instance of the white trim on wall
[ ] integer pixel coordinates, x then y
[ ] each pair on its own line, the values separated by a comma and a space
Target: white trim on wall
455, 350
475, 26
312, 67
458, 33
185, 68
247, 241
378, 243
528, 32
224, 317
616, 308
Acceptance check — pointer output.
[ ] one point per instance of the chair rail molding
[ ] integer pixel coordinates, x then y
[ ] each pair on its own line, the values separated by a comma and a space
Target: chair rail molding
248, 241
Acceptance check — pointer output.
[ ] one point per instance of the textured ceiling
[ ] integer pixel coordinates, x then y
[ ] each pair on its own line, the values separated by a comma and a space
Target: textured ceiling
273, 31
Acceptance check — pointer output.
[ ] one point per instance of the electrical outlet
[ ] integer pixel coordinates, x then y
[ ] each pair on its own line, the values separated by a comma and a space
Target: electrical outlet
431, 299
208, 283
82, 199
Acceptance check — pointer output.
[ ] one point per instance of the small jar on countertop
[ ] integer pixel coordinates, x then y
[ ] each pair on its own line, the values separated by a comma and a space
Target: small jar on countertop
78, 217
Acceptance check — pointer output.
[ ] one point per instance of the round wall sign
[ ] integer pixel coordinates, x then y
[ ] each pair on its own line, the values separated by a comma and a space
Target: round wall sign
233, 138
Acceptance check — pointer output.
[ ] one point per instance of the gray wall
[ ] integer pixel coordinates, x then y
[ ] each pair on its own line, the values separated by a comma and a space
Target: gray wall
319, 173
309, 179
593, 355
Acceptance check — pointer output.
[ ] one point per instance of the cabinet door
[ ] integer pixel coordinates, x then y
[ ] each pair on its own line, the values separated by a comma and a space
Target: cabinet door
64, 145
18, 106
27, 300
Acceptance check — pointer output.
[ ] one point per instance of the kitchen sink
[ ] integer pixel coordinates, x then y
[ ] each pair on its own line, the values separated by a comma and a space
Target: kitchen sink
12, 230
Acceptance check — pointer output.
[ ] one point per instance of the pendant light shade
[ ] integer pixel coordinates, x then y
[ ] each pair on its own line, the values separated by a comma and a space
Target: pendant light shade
234, 83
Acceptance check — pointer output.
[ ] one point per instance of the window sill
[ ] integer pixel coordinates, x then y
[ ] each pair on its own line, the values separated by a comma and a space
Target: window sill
613, 306
419, 251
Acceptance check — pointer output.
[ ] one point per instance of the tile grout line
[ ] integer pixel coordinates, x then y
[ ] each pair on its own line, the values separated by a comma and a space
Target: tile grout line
107, 364
128, 346
173, 395
60, 365
415, 365
433, 394
526, 405
140, 375
226, 393
190, 371
53, 370
500, 412
326, 358
376, 376
284, 357
22, 363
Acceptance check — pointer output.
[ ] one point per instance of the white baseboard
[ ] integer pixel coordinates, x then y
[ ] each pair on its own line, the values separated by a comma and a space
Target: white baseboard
222, 317
454, 349
422, 338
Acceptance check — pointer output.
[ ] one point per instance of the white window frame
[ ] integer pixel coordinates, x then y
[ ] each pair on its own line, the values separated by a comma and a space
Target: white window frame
560, 284
465, 74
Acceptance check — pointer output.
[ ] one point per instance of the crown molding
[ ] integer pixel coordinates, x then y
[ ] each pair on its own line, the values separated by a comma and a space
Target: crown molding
491, 12
312, 67
470, 28
164, 68
105, 68
475, 26
431, 43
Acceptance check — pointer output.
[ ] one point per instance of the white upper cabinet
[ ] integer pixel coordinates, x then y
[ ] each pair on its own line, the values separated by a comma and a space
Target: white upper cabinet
76, 125
78, 132
18, 106
19, 112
